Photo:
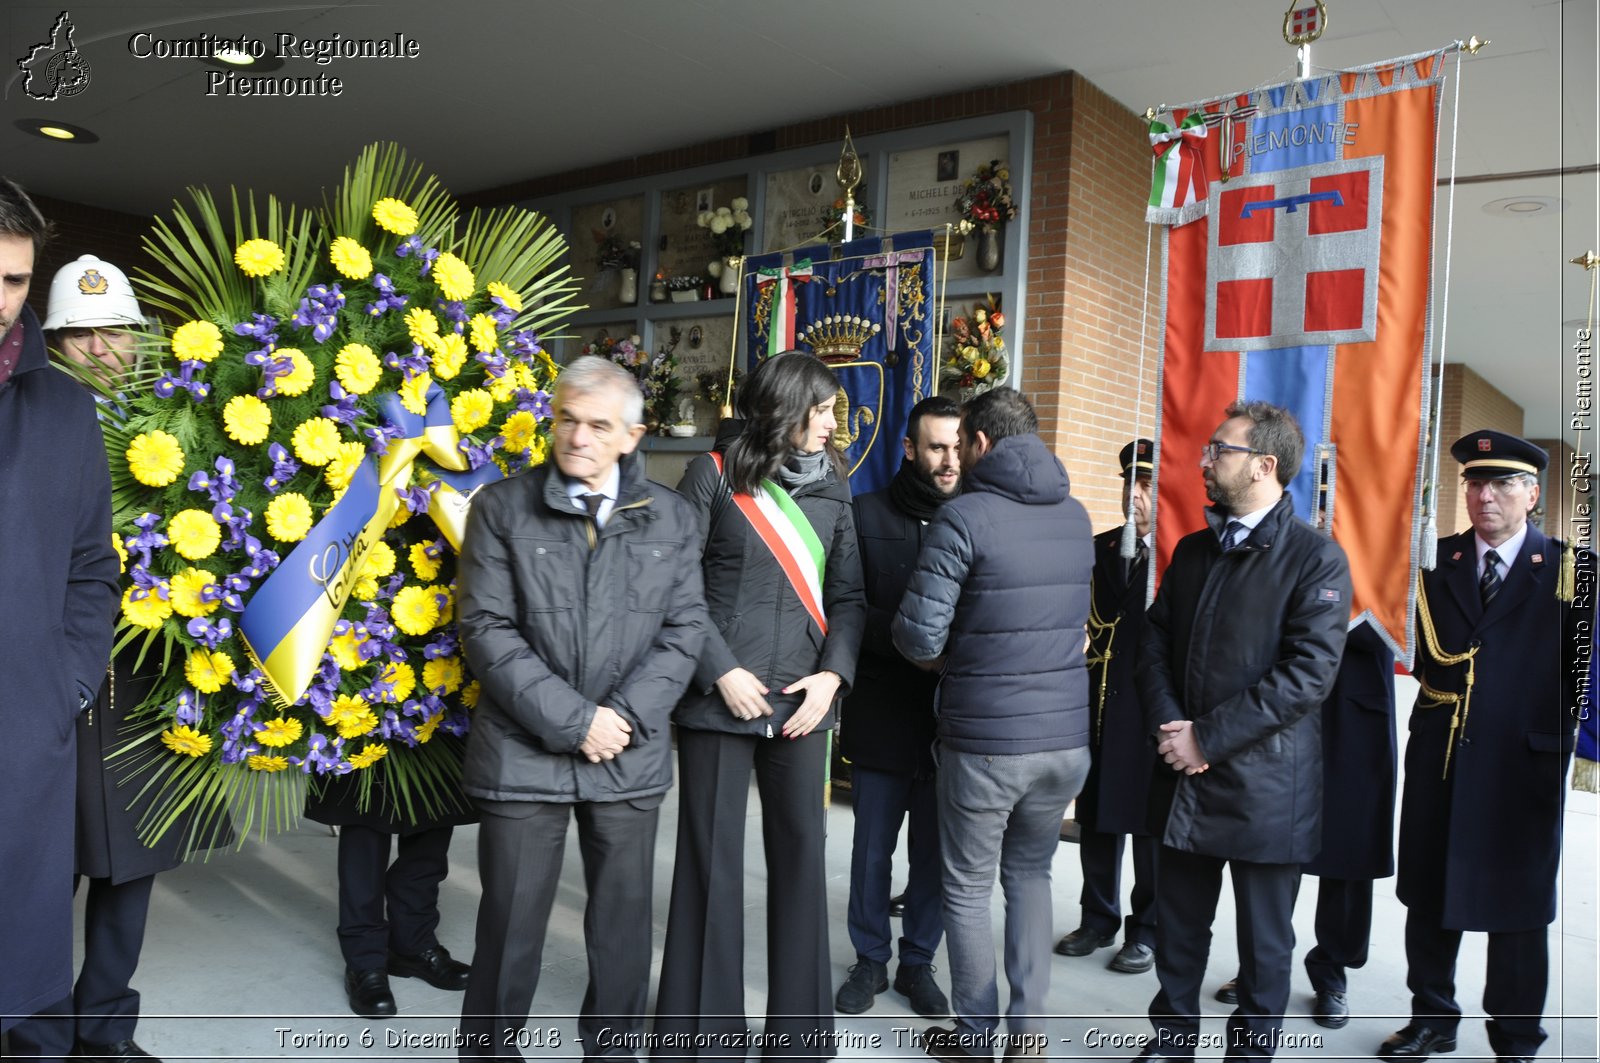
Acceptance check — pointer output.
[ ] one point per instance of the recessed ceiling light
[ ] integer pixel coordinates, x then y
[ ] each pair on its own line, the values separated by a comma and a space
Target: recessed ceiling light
1525, 206
233, 60
60, 132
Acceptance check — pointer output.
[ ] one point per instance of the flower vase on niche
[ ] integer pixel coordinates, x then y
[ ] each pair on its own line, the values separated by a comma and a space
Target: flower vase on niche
728, 280
628, 286
988, 249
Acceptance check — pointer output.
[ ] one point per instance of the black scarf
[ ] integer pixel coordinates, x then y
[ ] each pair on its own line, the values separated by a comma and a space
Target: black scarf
914, 496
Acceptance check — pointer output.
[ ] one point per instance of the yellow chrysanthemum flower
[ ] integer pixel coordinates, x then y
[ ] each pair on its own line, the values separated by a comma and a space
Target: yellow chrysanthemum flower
122, 553
263, 762
298, 380
258, 258
519, 430
401, 515
288, 517
280, 732
374, 752
380, 561
449, 355
504, 294
350, 258
416, 610
365, 589
424, 566
208, 671
414, 393
196, 341
149, 612
430, 725
246, 419
537, 451
187, 588
342, 469
442, 672
154, 458
346, 649
316, 441
422, 326
453, 276
194, 534
357, 368
351, 716
186, 740
470, 693
401, 679
394, 216
471, 409
483, 334
446, 599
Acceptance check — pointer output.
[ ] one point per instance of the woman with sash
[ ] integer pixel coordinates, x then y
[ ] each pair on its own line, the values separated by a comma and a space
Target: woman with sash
784, 587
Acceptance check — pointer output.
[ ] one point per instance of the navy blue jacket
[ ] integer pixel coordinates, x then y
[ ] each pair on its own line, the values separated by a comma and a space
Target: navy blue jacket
1002, 590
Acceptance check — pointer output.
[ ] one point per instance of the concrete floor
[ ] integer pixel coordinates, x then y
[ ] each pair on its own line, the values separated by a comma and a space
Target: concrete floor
241, 962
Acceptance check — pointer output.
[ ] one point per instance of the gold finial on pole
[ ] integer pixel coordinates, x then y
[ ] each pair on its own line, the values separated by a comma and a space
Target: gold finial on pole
849, 175
1588, 260
1303, 24
1475, 44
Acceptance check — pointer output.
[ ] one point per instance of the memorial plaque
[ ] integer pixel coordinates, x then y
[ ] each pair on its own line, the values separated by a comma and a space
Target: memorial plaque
703, 345
924, 184
686, 248
592, 225
799, 205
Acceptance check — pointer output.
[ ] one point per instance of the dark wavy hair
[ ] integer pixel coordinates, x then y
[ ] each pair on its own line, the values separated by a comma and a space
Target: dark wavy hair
775, 401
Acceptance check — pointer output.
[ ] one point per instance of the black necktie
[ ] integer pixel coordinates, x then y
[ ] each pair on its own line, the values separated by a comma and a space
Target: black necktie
592, 503
1489, 584
1231, 535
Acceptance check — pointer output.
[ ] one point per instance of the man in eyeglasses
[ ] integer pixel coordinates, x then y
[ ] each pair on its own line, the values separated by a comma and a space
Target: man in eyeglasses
1244, 639
1503, 647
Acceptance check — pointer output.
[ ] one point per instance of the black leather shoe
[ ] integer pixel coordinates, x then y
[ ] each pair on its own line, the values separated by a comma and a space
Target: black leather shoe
1228, 992
897, 905
1415, 1041
1083, 941
433, 966
112, 1053
1133, 958
1330, 1009
860, 991
368, 992
915, 982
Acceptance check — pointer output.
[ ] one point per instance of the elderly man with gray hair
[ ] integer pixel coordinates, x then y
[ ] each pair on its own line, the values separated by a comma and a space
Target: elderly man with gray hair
582, 614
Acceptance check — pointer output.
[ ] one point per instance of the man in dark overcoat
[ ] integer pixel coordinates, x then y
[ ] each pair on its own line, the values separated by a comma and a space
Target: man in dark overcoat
1115, 798
887, 729
60, 578
1491, 739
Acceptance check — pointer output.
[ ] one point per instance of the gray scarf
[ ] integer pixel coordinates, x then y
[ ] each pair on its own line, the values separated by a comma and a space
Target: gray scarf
800, 469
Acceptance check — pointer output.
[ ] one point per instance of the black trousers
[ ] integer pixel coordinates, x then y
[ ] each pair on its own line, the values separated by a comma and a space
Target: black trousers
520, 851
1344, 930
103, 1007
1186, 904
1101, 897
386, 907
881, 801
700, 1006
1517, 975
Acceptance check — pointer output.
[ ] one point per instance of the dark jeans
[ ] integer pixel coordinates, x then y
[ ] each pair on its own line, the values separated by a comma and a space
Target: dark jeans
882, 801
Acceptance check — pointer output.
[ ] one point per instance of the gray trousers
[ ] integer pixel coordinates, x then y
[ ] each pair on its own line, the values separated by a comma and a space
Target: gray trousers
1001, 812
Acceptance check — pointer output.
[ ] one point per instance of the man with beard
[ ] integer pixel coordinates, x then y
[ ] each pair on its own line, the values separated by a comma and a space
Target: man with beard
888, 728
1245, 638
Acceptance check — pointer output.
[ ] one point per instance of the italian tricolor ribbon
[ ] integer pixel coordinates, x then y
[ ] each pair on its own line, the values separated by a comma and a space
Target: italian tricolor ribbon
780, 332
1178, 186
788, 535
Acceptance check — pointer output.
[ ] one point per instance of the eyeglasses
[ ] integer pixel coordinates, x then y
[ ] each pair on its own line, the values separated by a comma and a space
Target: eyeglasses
1503, 487
1212, 452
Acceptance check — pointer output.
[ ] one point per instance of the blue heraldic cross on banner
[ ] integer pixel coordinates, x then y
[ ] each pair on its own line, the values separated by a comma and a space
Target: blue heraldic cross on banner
869, 314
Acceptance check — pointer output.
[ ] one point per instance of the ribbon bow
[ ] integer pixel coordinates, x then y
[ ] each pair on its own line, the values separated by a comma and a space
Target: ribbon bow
780, 331
1178, 186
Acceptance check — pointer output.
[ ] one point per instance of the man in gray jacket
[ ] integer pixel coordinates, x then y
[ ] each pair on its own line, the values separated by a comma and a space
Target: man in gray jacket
582, 614
999, 599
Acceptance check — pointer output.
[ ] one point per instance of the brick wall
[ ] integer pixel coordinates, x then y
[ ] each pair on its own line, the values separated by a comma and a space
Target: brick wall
1469, 403
1091, 173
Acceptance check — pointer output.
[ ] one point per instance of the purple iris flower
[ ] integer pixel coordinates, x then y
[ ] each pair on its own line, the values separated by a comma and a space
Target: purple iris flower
477, 457
209, 634
261, 561
428, 255
395, 726
344, 408
525, 344
259, 328
455, 311
323, 757
388, 298
319, 310
455, 723
408, 247
502, 314
494, 361
237, 521
148, 540
534, 402
417, 499
381, 435
284, 467
191, 707
443, 646
145, 582
169, 385
410, 364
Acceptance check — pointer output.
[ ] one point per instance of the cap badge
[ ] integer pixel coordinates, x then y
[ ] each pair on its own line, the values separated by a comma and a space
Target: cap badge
93, 282
1485, 445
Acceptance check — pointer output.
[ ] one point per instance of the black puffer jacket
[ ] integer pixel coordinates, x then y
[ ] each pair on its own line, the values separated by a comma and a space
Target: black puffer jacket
758, 621
1002, 586
556, 620
1246, 645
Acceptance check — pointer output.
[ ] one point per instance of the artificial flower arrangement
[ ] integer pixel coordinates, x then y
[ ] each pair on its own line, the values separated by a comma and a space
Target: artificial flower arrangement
614, 253
860, 217
986, 199
291, 482
977, 361
728, 226
712, 386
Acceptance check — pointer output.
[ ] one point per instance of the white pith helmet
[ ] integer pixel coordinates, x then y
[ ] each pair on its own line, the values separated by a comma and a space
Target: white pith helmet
90, 292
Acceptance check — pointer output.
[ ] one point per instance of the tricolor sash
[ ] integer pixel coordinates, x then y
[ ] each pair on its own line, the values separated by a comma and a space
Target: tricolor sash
788, 535
780, 337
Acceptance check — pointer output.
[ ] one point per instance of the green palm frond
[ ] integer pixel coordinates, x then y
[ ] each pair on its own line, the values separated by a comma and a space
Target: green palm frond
522, 250
385, 170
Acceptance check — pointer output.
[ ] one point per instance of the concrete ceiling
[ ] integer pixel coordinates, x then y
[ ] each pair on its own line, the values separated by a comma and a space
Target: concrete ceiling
509, 89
